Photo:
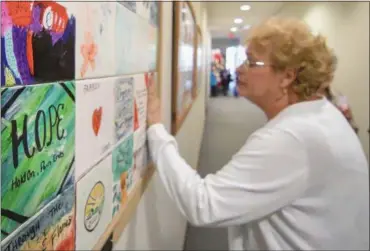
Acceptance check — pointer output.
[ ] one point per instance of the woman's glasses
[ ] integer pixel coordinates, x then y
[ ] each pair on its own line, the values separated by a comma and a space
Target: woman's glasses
254, 64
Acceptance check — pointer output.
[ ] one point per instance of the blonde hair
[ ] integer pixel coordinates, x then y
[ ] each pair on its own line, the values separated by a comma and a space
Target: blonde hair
292, 45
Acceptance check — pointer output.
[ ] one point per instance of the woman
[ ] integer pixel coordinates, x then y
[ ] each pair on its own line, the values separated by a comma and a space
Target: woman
301, 181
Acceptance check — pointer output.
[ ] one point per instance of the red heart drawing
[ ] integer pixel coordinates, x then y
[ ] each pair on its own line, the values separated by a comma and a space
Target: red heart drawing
96, 120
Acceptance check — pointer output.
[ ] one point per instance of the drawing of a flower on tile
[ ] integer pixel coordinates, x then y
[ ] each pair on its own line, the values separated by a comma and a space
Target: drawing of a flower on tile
95, 56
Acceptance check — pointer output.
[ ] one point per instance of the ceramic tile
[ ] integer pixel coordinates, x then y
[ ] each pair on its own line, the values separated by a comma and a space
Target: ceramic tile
123, 107
94, 196
37, 148
40, 46
94, 121
53, 228
95, 28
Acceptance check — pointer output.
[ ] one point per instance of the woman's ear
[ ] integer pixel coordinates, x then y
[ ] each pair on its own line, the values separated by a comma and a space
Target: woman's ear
289, 75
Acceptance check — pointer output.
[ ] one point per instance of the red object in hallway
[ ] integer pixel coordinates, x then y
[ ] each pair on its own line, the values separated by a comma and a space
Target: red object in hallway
231, 35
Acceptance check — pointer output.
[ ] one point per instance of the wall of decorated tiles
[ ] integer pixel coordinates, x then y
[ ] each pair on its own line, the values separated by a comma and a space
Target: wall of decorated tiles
74, 81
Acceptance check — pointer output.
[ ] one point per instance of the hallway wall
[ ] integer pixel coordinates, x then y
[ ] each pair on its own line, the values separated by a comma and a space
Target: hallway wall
346, 26
157, 224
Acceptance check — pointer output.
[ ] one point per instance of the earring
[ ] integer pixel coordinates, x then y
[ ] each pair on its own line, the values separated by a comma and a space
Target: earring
285, 91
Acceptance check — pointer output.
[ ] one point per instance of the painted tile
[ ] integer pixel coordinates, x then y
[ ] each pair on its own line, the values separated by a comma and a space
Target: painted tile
123, 107
140, 109
143, 9
152, 47
37, 148
140, 163
126, 24
131, 42
148, 10
131, 5
94, 204
53, 228
154, 14
94, 122
122, 176
37, 42
95, 28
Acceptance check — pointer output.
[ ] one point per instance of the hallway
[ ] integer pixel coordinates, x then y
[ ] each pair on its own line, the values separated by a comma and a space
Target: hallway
229, 122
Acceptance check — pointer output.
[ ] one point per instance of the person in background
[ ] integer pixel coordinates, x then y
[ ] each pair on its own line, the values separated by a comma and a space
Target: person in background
213, 80
341, 103
301, 182
226, 79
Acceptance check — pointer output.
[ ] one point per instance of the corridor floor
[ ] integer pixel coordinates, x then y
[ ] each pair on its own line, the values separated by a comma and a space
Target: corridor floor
229, 122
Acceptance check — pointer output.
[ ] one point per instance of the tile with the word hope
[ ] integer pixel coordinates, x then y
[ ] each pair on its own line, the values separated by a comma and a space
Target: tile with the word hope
52, 228
94, 121
94, 50
94, 196
37, 42
37, 148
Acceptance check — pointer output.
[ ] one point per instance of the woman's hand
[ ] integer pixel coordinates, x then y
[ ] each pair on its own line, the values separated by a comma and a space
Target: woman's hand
154, 115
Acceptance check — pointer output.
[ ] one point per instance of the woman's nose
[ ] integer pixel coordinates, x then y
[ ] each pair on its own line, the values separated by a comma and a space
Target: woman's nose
238, 69
241, 70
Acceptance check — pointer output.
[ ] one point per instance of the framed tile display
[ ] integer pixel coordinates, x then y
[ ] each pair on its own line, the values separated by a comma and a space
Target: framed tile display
184, 63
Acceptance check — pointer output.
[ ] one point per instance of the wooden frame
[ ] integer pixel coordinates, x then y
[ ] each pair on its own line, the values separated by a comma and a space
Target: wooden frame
178, 116
199, 68
128, 209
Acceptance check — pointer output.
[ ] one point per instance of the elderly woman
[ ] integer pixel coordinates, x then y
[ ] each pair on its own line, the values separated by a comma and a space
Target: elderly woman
301, 181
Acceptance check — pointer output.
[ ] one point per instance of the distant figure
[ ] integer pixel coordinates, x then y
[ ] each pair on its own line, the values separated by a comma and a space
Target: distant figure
213, 85
235, 91
226, 79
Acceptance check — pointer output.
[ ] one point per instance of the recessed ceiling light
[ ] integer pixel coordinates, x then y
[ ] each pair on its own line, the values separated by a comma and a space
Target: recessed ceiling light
245, 7
233, 29
246, 27
238, 20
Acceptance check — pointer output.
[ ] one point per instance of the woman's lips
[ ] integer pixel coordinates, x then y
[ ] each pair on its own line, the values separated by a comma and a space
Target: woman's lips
240, 83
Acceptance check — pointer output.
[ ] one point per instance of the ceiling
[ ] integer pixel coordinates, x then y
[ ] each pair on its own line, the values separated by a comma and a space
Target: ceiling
221, 16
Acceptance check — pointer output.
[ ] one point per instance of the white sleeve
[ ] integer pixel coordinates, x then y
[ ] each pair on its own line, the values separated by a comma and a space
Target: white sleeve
269, 172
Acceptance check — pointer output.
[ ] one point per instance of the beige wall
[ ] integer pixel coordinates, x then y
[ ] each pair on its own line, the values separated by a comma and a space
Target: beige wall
346, 26
157, 223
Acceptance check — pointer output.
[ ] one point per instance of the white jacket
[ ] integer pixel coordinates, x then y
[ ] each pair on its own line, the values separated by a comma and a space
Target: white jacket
300, 182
